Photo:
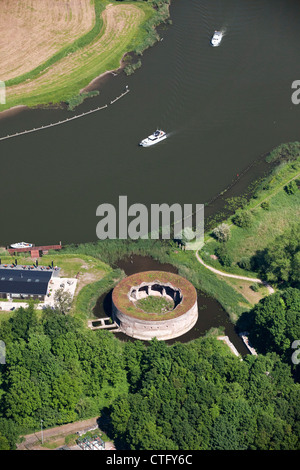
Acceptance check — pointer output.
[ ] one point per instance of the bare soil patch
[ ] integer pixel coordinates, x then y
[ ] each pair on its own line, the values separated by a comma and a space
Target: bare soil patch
33, 30
119, 26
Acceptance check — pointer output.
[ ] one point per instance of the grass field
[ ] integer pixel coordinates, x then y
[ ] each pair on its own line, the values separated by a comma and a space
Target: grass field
32, 31
86, 268
245, 289
283, 209
58, 54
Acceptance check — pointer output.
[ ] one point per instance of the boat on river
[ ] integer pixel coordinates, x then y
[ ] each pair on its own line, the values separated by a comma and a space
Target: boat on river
217, 38
21, 245
154, 138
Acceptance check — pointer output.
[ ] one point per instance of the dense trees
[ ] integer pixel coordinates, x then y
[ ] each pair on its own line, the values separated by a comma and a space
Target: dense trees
157, 397
275, 323
56, 371
197, 396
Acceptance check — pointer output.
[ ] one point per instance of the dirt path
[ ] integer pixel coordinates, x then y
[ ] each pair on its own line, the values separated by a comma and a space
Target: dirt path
234, 276
34, 440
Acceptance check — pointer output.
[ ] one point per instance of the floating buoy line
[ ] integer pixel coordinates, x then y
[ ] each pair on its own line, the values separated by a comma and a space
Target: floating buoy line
58, 123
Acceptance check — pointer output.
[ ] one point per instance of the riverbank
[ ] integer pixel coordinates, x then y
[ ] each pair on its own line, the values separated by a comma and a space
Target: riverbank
118, 29
253, 226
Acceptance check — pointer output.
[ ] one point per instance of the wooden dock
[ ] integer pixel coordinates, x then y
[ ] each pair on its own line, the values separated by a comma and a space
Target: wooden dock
34, 250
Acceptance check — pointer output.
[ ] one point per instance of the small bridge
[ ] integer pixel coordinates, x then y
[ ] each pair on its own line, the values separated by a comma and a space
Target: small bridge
93, 324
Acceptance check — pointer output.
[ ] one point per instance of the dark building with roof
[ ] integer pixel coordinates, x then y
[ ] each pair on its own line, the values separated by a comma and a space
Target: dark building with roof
24, 283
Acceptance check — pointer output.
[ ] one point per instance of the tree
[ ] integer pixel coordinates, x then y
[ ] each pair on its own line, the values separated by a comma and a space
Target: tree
245, 263
4, 444
22, 322
9, 432
277, 322
22, 399
265, 205
223, 255
222, 232
243, 219
295, 268
291, 188
280, 262
62, 301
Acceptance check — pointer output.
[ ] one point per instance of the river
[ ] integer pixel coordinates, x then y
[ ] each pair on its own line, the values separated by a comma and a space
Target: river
222, 108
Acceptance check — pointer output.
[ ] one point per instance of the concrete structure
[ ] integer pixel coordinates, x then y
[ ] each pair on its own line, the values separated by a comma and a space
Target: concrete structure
135, 322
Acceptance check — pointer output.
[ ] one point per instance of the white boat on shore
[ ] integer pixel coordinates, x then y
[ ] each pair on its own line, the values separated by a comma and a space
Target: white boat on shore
217, 38
154, 138
21, 245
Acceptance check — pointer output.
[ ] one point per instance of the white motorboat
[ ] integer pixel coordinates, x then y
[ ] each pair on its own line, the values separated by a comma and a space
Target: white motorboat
217, 38
154, 138
21, 245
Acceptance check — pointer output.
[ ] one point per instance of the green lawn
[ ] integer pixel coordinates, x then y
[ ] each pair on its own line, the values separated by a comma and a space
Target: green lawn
153, 304
70, 264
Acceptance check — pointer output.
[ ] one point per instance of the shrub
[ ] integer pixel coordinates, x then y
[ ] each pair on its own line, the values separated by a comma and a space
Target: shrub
78, 99
130, 68
223, 256
243, 219
291, 188
222, 233
265, 205
284, 152
245, 263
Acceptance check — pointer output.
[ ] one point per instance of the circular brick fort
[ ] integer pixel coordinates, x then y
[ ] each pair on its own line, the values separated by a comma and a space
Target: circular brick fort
173, 299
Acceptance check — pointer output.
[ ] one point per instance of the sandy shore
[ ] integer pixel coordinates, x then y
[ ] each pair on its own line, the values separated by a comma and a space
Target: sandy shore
12, 111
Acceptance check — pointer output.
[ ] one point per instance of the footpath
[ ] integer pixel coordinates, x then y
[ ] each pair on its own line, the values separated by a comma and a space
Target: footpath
234, 276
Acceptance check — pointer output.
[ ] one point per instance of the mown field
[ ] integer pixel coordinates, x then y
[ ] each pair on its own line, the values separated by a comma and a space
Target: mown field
32, 31
58, 52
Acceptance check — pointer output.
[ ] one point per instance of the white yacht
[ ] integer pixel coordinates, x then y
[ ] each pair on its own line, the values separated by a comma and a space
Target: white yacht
154, 138
21, 245
217, 38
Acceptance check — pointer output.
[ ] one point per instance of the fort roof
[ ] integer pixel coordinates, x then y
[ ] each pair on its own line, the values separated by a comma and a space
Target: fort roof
122, 302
